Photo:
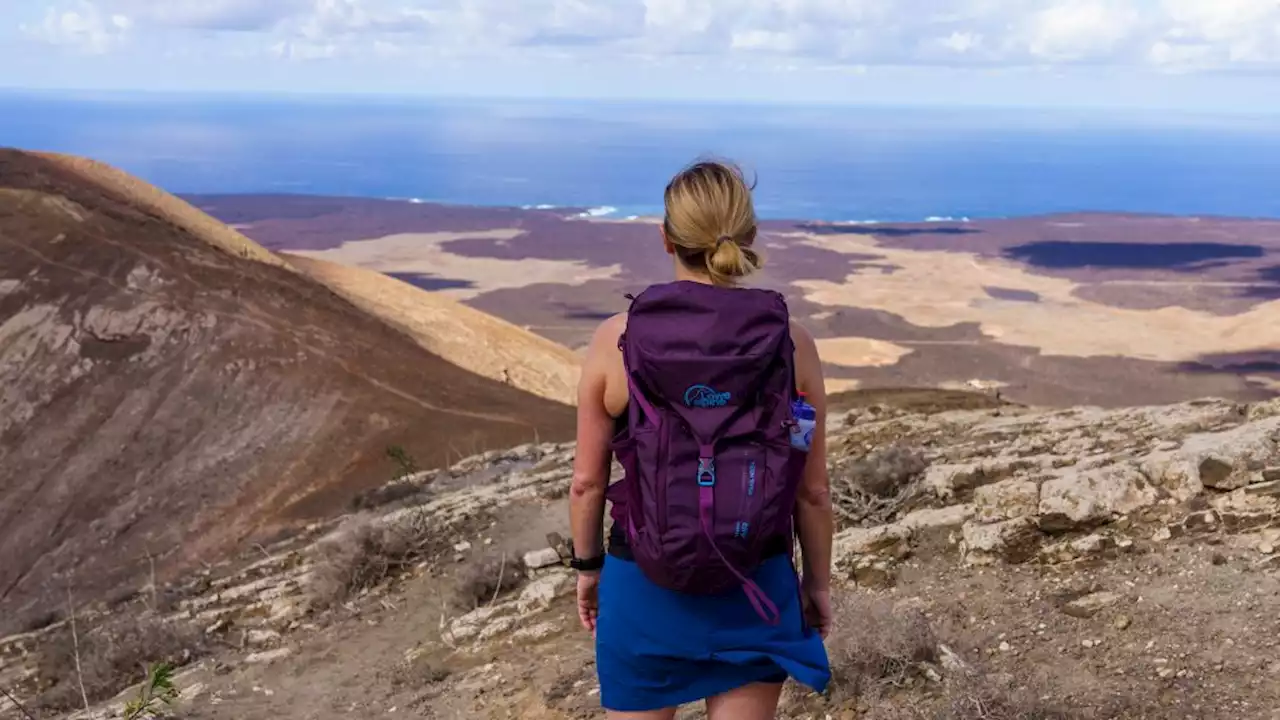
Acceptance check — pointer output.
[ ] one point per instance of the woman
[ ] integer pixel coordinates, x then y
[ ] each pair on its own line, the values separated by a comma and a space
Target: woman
659, 648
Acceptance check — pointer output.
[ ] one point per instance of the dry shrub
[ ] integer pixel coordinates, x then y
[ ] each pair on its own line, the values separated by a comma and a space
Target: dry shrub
113, 655
877, 646
878, 486
486, 580
359, 555
397, 494
884, 473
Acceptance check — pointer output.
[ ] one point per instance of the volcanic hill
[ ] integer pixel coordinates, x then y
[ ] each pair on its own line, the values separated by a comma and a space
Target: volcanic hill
170, 389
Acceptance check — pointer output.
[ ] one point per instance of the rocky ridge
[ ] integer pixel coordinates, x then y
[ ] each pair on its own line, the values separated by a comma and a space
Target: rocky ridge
991, 489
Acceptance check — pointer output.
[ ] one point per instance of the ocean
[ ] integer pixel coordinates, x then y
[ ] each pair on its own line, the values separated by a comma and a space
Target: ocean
821, 163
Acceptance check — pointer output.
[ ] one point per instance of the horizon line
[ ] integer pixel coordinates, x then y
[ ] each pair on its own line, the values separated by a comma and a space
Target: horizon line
420, 97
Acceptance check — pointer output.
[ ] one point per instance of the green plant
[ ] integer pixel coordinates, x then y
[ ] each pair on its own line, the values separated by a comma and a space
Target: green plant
405, 464
156, 692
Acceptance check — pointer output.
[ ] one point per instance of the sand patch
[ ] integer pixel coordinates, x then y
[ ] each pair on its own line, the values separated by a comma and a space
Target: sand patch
1265, 381
421, 253
939, 289
976, 384
860, 352
840, 385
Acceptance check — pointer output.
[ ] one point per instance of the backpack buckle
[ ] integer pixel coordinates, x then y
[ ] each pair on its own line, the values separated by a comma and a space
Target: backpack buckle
706, 472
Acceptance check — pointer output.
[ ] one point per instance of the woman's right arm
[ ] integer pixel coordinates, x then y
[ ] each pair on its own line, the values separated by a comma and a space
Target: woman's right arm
814, 518
595, 429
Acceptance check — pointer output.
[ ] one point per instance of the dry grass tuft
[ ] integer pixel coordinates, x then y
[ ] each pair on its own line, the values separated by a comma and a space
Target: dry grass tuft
113, 656
976, 696
417, 673
889, 661
359, 555
489, 579
877, 646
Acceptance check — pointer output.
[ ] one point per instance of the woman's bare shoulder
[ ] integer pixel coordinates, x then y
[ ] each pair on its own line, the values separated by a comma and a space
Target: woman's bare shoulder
808, 364
803, 339
608, 332
602, 352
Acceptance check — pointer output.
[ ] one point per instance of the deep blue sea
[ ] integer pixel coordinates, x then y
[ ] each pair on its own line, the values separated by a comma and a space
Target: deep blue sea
829, 163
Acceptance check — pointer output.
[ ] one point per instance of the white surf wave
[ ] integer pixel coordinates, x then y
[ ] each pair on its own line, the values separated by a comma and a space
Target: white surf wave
947, 218
598, 212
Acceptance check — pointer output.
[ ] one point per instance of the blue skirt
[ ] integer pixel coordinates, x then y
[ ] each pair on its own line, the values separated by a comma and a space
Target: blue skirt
656, 648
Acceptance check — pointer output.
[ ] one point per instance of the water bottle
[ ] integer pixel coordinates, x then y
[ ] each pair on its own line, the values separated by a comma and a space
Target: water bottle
806, 419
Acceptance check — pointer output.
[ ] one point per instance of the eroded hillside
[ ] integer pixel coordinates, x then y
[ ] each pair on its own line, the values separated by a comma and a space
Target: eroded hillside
169, 390
992, 562
462, 335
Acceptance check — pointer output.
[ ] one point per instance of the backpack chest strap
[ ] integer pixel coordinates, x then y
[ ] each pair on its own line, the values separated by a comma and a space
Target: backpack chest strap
707, 466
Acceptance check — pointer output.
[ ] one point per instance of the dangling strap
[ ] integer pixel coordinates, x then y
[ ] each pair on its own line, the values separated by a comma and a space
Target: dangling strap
764, 607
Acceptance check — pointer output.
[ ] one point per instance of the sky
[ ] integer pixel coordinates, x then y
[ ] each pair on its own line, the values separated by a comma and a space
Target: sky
1198, 55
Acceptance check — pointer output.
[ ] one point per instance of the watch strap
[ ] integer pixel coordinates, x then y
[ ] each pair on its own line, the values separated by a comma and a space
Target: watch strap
587, 564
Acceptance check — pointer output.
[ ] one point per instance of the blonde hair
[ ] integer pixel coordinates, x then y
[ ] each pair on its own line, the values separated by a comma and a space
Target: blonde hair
711, 221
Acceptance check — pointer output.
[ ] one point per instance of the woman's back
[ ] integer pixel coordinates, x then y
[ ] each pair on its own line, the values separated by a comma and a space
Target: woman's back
693, 389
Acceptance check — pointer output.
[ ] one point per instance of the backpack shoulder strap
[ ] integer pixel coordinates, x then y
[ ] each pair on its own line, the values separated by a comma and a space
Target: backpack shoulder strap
638, 405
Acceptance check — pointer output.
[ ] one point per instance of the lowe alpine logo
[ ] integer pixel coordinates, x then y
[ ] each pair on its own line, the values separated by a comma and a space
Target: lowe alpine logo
702, 396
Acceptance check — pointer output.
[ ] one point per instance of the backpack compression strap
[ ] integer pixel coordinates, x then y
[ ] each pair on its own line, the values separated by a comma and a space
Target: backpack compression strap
764, 607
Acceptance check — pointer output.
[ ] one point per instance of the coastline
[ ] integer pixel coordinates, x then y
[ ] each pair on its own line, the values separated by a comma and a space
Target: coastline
614, 214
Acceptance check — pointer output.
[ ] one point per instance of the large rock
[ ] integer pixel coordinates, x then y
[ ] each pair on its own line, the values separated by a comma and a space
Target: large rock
1078, 500
948, 482
1233, 459
1174, 472
543, 558
1094, 545
945, 481
1013, 541
1006, 500
884, 540
951, 516
1246, 509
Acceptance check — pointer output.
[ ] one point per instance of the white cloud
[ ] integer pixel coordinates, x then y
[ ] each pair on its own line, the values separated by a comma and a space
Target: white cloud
1073, 30
83, 27
1148, 33
961, 42
226, 15
1228, 31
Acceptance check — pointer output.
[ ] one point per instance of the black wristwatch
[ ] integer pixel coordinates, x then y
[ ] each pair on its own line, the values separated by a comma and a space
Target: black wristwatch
585, 564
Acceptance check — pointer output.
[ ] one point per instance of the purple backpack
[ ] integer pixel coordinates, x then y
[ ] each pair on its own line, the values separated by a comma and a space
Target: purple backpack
711, 476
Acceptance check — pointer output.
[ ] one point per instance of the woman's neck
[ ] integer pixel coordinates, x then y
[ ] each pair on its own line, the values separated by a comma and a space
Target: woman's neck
684, 273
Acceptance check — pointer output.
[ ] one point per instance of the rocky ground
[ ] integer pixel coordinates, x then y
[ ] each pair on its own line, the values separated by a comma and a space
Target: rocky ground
994, 563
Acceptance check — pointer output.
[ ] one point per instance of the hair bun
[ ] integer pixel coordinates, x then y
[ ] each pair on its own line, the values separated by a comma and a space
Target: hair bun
712, 197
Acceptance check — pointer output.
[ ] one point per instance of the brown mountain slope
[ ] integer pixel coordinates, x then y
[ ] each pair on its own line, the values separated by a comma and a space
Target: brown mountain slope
462, 335
163, 395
